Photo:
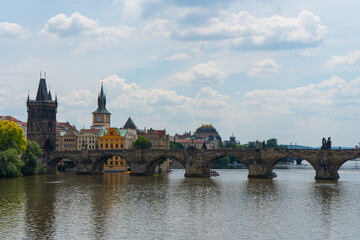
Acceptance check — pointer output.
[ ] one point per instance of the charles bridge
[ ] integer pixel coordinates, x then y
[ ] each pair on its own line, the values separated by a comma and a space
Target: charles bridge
198, 162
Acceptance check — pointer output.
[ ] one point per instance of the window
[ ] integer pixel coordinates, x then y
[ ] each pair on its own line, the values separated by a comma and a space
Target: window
117, 145
98, 119
106, 145
111, 163
101, 145
122, 146
121, 163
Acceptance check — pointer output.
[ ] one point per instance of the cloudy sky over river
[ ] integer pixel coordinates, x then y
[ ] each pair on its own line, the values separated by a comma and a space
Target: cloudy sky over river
259, 69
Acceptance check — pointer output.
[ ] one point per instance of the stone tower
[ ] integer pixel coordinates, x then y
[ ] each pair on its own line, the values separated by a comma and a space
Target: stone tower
101, 117
41, 123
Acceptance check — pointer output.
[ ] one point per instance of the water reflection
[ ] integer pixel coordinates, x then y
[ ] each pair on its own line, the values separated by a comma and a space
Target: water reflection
114, 206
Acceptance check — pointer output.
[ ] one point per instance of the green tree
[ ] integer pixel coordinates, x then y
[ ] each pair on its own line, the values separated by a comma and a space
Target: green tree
11, 136
33, 151
220, 144
10, 163
142, 141
175, 145
231, 145
271, 143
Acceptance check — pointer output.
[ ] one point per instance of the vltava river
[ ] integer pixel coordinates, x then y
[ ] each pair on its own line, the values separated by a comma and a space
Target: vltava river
230, 206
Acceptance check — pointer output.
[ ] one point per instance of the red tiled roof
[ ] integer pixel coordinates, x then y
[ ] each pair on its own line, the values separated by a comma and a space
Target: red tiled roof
9, 118
96, 131
188, 141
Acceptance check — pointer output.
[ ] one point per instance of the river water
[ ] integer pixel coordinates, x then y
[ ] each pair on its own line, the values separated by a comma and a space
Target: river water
230, 206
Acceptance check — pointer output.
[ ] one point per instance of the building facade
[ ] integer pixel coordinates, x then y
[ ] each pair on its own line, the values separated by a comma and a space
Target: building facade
113, 138
131, 134
101, 116
41, 122
159, 140
88, 139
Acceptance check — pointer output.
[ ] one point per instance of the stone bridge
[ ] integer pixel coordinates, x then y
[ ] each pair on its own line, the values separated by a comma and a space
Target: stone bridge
198, 162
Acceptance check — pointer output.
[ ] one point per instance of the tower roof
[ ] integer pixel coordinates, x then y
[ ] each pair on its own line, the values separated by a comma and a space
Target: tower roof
42, 93
101, 102
129, 124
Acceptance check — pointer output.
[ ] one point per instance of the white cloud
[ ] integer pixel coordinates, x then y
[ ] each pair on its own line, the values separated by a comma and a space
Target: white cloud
78, 98
177, 57
311, 51
84, 32
264, 68
351, 59
12, 31
206, 73
241, 30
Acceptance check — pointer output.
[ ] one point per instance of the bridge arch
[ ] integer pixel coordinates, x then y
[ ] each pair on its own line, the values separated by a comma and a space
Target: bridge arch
54, 162
213, 159
155, 161
98, 165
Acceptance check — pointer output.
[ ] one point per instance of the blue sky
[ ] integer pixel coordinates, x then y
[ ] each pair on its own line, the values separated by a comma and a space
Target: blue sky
257, 69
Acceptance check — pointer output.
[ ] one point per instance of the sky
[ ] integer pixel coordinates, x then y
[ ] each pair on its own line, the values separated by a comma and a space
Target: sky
257, 69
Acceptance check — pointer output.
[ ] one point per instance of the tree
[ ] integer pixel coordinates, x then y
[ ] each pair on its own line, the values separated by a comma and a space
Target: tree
231, 145
12, 145
10, 163
271, 143
141, 142
11, 136
175, 145
33, 151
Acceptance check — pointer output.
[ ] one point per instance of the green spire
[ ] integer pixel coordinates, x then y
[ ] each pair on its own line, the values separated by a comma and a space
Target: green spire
101, 102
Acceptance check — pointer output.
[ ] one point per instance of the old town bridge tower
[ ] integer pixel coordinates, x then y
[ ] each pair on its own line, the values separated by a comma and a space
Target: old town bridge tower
41, 122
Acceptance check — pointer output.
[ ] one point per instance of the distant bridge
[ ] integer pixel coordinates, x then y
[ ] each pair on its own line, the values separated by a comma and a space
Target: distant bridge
198, 162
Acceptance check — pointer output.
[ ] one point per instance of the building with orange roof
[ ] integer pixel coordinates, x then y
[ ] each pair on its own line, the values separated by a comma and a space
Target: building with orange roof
113, 138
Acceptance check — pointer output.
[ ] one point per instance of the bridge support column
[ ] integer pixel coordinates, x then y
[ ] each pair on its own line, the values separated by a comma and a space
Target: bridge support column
327, 171
257, 170
194, 166
139, 166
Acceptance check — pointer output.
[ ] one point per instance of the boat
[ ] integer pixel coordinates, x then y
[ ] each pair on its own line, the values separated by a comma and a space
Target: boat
127, 172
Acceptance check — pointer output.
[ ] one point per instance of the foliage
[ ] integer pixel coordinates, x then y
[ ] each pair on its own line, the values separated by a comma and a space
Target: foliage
11, 136
10, 163
175, 145
33, 151
220, 144
231, 145
142, 141
42, 169
270, 143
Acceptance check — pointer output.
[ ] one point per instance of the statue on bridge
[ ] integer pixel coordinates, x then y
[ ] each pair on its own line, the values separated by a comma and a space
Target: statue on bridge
326, 144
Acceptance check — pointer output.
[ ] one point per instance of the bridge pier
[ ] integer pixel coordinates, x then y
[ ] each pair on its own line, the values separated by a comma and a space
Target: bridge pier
326, 171
260, 170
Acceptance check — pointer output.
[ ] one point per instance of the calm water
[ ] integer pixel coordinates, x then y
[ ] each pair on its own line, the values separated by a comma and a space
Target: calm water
117, 206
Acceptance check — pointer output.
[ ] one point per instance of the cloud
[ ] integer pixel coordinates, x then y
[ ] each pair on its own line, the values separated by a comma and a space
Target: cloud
351, 59
205, 73
243, 31
311, 51
264, 68
177, 57
10, 31
78, 98
85, 33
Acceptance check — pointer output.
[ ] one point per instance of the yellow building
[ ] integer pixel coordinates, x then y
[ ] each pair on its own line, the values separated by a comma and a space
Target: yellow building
113, 138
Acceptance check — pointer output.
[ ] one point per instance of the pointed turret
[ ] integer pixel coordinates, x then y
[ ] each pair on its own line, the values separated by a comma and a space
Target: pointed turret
101, 102
129, 124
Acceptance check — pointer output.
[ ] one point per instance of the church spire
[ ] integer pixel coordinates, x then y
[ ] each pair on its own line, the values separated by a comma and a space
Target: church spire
101, 101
